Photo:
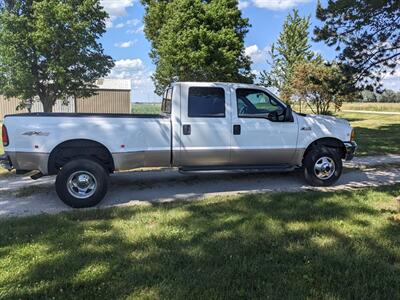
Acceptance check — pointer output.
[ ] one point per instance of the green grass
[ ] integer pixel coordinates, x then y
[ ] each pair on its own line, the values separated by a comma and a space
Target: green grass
375, 134
304, 245
146, 108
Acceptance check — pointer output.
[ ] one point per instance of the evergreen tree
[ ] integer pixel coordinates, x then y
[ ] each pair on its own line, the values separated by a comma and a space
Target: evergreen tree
291, 47
195, 40
367, 35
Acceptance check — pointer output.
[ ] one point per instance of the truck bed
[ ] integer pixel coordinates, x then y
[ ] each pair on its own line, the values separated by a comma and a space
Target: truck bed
83, 115
133, 140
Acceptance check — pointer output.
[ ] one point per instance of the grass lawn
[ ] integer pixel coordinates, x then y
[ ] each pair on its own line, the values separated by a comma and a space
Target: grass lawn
375, 134
300, 245
146, 108
372, 106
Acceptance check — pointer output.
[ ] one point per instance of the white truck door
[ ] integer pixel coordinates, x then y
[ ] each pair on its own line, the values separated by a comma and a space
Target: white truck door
256, 139
205, 131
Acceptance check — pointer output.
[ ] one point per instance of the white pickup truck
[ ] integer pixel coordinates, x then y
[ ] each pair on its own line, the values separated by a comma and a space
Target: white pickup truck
218, 127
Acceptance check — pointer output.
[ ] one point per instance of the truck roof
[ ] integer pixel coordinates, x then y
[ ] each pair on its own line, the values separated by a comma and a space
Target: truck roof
229, 84
215, 82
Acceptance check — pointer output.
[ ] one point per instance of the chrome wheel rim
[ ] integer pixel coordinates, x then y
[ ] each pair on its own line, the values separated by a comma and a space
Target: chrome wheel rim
324, 168
82, 184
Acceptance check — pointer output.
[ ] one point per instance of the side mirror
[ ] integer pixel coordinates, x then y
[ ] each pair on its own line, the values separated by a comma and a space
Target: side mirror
273, 116
289, 114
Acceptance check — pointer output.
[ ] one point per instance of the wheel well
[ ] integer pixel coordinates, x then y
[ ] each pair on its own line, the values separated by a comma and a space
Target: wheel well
80, 148
329, 143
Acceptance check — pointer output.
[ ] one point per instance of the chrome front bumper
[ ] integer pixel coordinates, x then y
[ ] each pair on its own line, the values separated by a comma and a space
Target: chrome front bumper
5, 162
351, 148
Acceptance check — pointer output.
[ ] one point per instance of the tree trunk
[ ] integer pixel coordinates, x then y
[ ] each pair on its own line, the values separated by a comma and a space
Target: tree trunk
47, 105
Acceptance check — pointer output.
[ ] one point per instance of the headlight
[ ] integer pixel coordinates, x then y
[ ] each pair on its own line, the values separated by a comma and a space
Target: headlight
353, 135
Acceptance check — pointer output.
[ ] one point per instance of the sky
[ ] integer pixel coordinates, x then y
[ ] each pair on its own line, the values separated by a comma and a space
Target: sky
126, 43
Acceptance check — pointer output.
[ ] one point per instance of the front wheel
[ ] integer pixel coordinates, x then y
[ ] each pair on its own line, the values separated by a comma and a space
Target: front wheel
322, 167
82, 183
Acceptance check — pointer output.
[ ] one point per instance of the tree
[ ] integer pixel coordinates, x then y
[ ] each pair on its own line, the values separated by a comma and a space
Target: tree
291, 48
320, 86
368, 96
389, 96
367, 34
49, 49
195, 40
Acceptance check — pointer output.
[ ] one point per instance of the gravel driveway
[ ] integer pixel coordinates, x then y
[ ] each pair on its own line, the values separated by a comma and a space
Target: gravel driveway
21, 196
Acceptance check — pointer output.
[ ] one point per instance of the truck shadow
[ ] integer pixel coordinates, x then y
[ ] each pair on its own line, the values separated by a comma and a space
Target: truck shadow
166, 186
171, 185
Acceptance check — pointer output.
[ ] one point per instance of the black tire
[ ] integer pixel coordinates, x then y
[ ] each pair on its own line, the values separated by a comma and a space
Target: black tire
317, 155
89, 175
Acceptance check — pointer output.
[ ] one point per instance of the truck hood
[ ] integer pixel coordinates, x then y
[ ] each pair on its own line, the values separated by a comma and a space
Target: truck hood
325, 126
327, 120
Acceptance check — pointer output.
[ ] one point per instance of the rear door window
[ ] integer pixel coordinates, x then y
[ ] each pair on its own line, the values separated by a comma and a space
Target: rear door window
206, 102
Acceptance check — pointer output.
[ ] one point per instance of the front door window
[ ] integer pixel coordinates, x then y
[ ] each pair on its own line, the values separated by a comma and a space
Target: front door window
256, 103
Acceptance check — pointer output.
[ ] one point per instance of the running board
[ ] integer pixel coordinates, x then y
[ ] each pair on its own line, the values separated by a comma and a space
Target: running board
237, 169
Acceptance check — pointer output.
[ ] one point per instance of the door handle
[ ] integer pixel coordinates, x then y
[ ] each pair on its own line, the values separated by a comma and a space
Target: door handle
187, 129
237, 129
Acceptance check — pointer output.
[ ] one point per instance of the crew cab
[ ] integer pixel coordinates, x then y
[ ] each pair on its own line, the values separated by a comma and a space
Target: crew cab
203, 127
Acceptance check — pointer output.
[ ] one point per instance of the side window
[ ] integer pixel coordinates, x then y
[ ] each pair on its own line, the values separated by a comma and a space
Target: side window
206, 102
251, 102
166, 105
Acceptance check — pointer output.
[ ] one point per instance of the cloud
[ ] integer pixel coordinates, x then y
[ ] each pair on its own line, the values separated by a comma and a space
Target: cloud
243, 4
257, 54
395, 75
109, 23
140, 76
391, 84
392, 81
115, 9
277, 4
135, 63
143, 88
136, 30
129, 23
133, 26
133, 22
127, 44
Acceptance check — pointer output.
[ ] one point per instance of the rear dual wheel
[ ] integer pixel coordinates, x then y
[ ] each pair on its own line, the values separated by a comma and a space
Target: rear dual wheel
82, 183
